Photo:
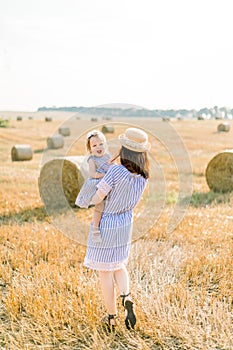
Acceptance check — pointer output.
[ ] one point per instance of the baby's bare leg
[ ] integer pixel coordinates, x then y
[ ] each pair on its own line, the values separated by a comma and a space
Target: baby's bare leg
96, 237
97, 214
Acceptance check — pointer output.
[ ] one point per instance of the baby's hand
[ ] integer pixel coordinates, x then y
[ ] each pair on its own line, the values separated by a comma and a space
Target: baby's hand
111, 160
98, 175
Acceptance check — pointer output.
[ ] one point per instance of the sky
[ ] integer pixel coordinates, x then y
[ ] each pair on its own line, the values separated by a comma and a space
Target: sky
157, 54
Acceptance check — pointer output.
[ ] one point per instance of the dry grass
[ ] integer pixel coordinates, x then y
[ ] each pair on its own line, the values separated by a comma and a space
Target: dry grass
181, 282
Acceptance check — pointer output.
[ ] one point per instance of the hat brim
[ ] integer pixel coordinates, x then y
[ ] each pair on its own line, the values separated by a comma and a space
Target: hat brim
132, 145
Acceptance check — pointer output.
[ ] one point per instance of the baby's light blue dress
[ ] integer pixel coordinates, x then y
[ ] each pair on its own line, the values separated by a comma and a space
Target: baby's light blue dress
123, 190
89, 187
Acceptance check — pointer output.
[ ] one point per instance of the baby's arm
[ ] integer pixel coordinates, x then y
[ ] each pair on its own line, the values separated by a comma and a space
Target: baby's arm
92, 170
113, 158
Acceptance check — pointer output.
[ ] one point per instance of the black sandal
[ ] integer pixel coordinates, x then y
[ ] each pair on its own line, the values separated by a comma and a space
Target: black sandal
130, 319
108, 323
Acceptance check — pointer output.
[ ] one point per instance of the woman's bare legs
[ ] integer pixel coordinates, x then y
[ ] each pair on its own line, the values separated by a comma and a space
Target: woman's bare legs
108, 291
121, 278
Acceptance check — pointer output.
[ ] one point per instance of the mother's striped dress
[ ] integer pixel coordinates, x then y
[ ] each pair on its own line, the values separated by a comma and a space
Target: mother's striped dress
123, 190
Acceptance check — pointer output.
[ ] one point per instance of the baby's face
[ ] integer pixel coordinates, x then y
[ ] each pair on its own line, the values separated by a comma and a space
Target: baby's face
97, 146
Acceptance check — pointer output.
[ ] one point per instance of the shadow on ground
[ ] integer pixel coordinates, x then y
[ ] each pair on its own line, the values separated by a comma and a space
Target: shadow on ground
40, 150
25, 215
202, 199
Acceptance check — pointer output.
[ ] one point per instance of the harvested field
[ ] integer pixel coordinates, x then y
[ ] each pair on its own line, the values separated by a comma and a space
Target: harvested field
181, 282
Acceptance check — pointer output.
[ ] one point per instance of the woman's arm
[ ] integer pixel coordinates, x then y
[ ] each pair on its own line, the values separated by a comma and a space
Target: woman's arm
92, 170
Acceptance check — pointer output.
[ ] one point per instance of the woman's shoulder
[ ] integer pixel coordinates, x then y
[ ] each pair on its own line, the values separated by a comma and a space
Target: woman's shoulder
117, 168
121, 170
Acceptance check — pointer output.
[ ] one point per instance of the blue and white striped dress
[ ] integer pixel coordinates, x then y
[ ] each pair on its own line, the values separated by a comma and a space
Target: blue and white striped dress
89, 187
123, 190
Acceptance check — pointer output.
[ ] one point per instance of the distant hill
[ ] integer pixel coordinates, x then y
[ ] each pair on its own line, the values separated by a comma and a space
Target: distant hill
117, 110
120, 105
128, 110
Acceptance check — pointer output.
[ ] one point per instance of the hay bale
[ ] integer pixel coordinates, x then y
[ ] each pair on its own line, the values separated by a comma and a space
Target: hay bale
21, 152
108, 129
60, 181
55, 142
219, 172
166, 119
224, 127
94, 119
48, 119
19, 118
64, 131
4, 123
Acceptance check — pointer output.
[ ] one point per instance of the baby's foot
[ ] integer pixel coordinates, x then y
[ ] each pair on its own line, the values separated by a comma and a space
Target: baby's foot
96, 236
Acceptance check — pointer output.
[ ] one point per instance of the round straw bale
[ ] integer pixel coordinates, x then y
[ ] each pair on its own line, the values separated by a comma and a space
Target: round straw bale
224, 127
218, 116
219, 172
48, 119
19, 118
64, 131
60, 181
55, 142
108, 129
21, 152
4, 123
94, 119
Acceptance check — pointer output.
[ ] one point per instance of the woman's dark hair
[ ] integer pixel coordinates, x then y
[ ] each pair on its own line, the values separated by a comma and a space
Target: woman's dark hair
135, 162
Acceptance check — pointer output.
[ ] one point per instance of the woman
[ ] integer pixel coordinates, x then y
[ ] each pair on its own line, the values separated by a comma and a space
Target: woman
122, 186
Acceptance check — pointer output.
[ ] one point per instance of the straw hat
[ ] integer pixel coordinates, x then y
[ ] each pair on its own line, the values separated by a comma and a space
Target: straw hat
135, 140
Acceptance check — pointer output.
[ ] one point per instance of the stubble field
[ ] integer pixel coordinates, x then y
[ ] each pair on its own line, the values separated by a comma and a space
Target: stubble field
181, 282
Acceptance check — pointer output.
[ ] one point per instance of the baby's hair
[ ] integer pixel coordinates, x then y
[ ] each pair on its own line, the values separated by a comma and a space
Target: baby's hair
91, 134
